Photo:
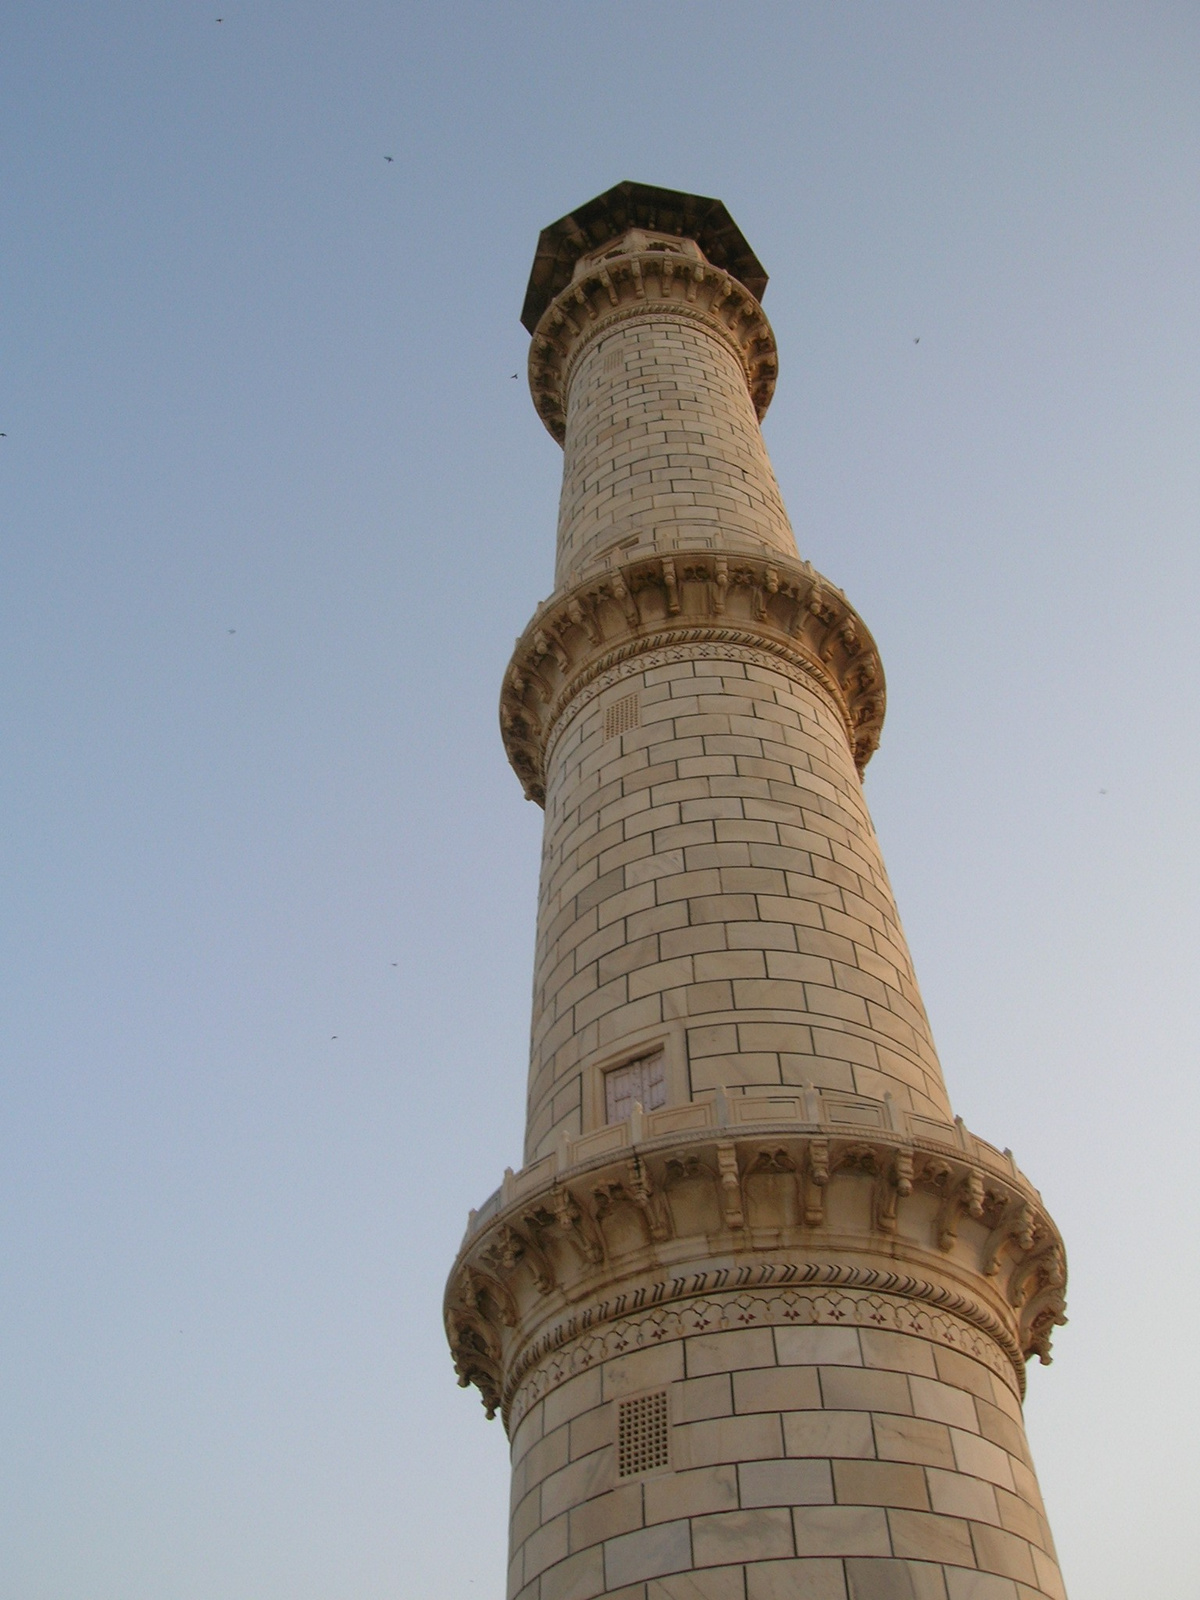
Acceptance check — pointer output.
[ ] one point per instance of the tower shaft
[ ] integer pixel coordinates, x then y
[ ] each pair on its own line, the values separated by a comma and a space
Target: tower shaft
757, 1307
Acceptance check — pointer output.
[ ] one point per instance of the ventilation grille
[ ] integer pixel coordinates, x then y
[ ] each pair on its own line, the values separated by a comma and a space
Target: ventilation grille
621, 716
643, 1434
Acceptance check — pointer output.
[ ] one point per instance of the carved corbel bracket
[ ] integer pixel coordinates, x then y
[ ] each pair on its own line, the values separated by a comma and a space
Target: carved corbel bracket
651, 1204
477, 1358
720, 582
671, 585
965, 1195
1044, 1312
584, 618
729, 1174
510, 1248
477, 1288
1016, 1225
624, 598
577, 1223
816, 1177
1037, 1289
894, 1183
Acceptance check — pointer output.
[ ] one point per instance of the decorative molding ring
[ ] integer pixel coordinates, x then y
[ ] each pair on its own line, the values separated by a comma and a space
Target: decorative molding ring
940, 1225
780, 607
647, 284
854, 1297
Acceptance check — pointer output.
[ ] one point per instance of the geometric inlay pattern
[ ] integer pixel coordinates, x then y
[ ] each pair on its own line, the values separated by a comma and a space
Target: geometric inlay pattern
778, 1308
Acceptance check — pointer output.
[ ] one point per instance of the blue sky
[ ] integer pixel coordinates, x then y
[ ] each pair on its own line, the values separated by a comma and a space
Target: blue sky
273, 511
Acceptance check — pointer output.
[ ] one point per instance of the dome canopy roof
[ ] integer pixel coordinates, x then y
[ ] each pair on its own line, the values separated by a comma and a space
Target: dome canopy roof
637, 205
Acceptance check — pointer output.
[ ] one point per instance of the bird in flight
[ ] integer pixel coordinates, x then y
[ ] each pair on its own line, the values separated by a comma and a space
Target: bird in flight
515, 374
231, 630
917, 340
389, 158
3, 436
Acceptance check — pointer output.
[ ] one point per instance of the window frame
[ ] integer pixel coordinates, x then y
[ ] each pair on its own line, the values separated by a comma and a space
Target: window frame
649, 1060
670, 1038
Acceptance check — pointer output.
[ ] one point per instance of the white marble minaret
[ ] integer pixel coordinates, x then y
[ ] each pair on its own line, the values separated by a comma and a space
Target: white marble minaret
756, 1309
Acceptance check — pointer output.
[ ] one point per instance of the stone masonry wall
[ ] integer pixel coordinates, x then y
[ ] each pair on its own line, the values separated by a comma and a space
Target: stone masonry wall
807, 1463
712, 877
663, 449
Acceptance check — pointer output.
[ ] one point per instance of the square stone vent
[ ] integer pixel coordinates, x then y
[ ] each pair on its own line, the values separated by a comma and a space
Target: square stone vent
621, 716
643, 1434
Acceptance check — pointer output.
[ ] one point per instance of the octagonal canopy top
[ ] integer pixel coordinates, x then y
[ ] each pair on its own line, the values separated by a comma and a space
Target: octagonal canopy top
637, 205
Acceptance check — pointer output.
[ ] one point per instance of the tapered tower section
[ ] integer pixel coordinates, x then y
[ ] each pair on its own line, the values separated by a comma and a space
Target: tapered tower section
756, 1309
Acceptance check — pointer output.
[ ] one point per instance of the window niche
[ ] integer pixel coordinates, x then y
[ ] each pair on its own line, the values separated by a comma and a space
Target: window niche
647, 1068
642, 1082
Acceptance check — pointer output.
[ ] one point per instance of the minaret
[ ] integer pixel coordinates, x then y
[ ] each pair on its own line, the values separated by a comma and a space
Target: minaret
756, 1310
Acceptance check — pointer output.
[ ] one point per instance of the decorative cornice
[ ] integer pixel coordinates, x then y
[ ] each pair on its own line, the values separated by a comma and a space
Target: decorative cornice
650, 283
711, 602
697, 1214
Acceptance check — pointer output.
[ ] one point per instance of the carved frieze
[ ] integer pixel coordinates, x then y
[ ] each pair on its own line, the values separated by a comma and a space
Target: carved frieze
773, 1294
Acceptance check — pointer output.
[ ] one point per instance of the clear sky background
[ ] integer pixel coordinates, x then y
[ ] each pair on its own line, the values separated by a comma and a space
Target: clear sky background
273, 511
